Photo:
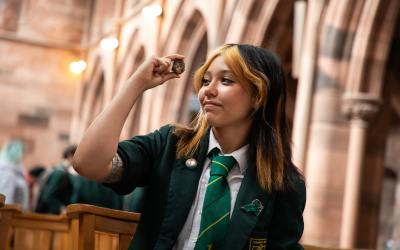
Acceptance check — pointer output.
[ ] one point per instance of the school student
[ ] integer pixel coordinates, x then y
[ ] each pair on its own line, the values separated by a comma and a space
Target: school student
227, 181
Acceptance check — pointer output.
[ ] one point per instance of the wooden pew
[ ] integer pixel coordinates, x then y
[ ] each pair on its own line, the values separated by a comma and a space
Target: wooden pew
92, 218
2, 200
33, 231
307, 247
7, 212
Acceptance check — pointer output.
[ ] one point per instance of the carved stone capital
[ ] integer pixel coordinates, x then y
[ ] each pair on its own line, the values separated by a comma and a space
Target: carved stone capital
360, 108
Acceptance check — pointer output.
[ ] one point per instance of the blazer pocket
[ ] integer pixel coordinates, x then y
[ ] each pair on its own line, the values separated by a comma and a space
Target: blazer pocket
256, 241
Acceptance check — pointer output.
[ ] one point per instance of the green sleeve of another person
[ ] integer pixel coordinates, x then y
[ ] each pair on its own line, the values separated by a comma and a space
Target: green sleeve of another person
57, 192
94, 193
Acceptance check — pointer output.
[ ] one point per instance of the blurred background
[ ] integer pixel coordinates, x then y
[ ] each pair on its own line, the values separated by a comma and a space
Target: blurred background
62, 61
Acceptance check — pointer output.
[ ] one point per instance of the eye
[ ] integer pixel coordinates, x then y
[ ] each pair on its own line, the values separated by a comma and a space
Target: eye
205, 81
227, 80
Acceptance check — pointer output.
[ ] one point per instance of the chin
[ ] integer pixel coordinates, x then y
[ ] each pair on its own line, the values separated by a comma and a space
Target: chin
215, 122
210, 120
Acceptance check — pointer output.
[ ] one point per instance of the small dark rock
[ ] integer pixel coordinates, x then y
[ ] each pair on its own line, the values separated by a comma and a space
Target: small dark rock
178, 67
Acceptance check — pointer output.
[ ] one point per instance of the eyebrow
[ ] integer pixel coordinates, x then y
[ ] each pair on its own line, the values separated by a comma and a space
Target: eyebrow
221, 72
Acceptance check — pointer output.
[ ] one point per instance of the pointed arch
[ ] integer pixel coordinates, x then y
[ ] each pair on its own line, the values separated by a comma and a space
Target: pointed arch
194, 45
371, 46
92, 99
131, 126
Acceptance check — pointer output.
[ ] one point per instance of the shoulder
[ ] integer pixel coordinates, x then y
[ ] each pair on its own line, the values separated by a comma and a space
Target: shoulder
300, 183
166, 131
296, 197
162, 133
57, 173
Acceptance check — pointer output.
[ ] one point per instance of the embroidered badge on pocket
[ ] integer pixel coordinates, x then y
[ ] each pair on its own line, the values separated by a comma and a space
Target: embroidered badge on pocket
258, 244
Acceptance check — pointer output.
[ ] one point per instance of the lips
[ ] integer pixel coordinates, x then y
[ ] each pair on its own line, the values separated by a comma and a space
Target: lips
210, 104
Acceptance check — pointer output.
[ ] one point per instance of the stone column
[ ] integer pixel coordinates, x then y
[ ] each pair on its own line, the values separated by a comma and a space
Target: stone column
304, 94
359, 109
300, 9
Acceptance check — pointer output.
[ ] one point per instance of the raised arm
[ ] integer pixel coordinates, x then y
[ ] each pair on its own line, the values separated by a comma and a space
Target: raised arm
93, 157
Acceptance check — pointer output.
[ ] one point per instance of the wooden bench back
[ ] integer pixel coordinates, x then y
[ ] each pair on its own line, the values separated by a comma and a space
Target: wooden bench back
92, 219
6, 214
2, 200
31, 231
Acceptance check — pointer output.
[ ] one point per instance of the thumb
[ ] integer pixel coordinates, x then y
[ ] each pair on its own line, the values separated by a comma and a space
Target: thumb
170, 75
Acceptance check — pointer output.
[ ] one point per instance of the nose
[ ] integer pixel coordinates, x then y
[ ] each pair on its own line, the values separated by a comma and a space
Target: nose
211, 90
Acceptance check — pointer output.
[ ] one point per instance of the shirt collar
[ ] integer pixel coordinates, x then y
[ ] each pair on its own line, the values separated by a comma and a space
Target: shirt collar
240, 155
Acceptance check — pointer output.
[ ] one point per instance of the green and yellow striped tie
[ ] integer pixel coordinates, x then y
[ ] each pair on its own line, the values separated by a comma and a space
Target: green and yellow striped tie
217, 204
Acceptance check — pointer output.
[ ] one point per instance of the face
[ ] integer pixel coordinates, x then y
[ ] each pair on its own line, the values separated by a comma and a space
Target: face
223, 99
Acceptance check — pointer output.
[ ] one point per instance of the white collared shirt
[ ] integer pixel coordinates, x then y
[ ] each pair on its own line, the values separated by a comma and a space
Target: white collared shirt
188, 236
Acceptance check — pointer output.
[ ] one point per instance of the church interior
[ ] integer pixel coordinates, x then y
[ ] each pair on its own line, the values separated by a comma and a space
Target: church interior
63, 61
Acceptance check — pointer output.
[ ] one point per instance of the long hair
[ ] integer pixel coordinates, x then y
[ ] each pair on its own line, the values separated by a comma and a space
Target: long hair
261, 74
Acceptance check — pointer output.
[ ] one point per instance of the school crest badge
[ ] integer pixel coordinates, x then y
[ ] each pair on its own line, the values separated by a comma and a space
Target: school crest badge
258, 244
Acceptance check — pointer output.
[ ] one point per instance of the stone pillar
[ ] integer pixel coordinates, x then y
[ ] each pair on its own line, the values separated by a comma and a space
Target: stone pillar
359, 109
304, 94
300, 9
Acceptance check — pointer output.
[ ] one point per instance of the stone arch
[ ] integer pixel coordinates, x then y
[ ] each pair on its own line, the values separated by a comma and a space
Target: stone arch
194, 44
354, 38
134, 56
237, 25
371, 46
335, 36
268, 24
92, 99
277, 35
377, 77
162, 105
131, 126
186, 109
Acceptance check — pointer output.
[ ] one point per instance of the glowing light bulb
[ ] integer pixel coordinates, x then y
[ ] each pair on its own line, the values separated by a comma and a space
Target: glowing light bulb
77, 67
148, 13
82, 65
152, 12
109, 44
157, 10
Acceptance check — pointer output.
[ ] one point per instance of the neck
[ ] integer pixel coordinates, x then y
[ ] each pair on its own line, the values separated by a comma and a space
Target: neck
232, 138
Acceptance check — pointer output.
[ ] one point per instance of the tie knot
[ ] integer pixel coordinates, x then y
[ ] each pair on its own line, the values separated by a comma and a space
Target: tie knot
221, 165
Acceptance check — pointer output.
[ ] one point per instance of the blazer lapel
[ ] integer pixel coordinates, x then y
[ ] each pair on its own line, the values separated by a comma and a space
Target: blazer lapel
182, 191
242, 223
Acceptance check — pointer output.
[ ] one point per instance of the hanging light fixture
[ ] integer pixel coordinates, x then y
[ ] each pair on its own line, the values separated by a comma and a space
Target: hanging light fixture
77, 67
152, 12
109, 44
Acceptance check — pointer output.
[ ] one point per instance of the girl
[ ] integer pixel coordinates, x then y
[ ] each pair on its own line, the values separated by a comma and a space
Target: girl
228, 181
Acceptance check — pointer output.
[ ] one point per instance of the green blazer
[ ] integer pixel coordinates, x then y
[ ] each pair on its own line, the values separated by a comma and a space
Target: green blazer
58, 190
151, 161
90, 192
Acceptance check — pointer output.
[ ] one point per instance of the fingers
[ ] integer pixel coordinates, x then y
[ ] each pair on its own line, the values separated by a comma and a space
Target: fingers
161, 65
175, 56
171, 75
166, 77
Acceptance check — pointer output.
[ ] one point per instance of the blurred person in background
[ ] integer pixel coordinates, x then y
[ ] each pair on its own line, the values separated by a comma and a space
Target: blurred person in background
93, 193
55, 188
33, 177
13, 183
61, 186
35, 173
